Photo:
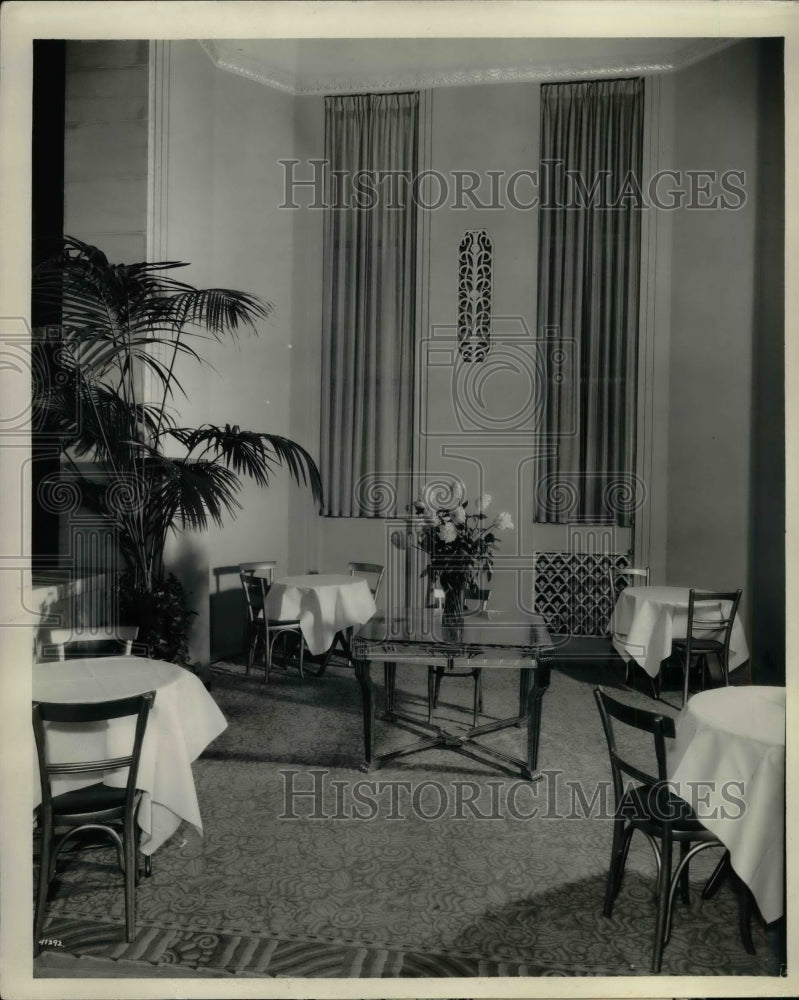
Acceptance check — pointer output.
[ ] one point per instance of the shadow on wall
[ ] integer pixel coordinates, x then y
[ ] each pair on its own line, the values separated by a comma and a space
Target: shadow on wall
228, 613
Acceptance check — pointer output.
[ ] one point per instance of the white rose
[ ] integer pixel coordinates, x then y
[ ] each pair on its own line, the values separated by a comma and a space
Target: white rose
505, 521
459, 515
447, 532
484, 501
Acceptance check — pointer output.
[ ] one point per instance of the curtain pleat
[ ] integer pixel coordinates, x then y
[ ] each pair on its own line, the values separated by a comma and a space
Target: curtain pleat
369, 305
588, 291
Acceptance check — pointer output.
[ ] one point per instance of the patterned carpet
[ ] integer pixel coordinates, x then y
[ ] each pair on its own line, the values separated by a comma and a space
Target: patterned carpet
438, 871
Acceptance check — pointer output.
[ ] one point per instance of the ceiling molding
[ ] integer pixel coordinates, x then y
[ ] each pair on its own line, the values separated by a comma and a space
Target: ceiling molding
252, 69
225, 57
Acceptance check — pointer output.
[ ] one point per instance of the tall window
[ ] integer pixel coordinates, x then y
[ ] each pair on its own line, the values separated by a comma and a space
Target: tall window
588, 284
371, 146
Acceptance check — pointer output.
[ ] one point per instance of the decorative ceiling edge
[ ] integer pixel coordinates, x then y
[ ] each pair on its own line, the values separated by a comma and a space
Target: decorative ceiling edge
254, 69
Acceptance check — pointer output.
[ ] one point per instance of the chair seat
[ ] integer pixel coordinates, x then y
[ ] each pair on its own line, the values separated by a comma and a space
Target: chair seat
89, 799
701, 645
645, 806
277, 622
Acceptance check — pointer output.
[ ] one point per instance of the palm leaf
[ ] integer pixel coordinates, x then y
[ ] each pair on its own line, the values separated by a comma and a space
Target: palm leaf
116, 321
255, 454
190, 492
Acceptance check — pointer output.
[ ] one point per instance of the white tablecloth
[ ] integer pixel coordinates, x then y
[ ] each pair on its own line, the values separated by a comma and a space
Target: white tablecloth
182, 722
647, 619
324, 605
732, 741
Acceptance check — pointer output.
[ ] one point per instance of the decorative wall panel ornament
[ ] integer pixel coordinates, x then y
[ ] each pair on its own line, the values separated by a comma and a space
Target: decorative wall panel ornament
572, 590
475, 262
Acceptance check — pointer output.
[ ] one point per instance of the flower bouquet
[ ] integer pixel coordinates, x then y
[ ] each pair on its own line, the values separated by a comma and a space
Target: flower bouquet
460, 544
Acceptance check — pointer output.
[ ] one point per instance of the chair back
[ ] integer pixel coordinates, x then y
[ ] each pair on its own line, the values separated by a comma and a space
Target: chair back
660, 726
90, 713
620, 577
265, 568
373, 572
255, 590
69, 644
712, 615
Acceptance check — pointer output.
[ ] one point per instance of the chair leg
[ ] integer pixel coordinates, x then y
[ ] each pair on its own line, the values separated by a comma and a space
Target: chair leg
268, 650
439, 677
685, 896
42, 887
251, 640
302, 654
432, 692
718, 877
477, 704
617, 857
664, 887
745, 907
654, 683
686, 675
129, 848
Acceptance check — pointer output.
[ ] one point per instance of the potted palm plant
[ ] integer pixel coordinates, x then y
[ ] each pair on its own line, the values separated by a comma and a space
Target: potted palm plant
124, 326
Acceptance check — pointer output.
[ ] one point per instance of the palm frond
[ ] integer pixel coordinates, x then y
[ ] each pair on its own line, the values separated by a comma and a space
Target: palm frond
255, 454
190, 493
117, 322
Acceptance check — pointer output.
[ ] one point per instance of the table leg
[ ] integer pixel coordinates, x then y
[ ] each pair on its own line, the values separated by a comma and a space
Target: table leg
363, 675
390, 684
524, 691
536, 689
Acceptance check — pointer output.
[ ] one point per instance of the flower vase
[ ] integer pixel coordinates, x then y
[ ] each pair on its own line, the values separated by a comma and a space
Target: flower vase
453, 602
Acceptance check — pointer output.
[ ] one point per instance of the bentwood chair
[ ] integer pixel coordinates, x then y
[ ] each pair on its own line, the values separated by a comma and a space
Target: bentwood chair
620, 577
663, 817
711, 617
69, 644
259, 627
96, 808
438, 673
373, 573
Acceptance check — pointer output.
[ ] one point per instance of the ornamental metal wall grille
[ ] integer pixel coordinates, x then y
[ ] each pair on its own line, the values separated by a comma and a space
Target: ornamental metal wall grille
475, 262
572, 590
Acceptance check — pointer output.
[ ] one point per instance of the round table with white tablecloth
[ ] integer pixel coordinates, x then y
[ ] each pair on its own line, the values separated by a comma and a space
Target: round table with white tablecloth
324, 604
728, 761
646, 620
184, 719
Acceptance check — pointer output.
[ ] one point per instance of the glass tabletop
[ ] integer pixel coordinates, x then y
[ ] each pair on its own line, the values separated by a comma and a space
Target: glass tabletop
498, 629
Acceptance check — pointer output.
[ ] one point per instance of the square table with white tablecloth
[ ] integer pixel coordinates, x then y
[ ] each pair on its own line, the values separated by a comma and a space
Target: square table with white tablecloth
728, 762
646, 620
183, 721
324, 605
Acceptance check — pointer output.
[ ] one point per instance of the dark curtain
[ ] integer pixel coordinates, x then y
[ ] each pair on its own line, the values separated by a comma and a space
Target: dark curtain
588, 292
369, 303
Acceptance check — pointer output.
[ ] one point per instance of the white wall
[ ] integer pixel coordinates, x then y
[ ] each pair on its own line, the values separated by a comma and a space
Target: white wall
726, 515
712, 330
225, 136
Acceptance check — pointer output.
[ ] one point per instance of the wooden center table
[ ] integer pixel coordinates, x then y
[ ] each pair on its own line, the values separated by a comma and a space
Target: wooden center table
485, 640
